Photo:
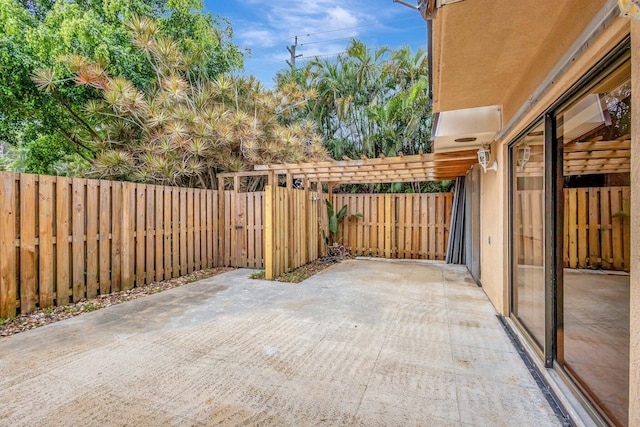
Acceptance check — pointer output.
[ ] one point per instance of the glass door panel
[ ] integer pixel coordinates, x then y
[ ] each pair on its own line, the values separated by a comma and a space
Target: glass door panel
528, 285
593, 338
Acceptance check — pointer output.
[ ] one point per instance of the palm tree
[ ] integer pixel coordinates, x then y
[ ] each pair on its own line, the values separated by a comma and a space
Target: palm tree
370, 102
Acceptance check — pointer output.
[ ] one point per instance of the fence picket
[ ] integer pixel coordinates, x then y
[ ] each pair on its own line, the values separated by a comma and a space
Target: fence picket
183, 231
27, 243
158, 231
117, 217
63, 228
196, 230
78, 238
104, 247
46, 205
128, 239
8, 252
91, 218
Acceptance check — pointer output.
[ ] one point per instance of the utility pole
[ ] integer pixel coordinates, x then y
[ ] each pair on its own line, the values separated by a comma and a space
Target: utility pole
292, 51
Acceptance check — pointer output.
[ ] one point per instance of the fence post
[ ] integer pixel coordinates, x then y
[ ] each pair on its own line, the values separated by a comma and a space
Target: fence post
268, 232
221, 223
289, 244
321, 206
388, 225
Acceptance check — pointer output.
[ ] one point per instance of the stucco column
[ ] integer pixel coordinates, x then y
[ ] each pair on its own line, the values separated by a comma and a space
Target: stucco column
634, 356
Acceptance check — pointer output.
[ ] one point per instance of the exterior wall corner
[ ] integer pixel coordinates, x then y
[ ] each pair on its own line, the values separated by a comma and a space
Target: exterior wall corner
634, 356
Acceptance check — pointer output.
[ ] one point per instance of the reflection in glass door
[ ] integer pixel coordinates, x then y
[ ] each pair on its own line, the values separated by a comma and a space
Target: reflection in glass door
593, 341
528, 290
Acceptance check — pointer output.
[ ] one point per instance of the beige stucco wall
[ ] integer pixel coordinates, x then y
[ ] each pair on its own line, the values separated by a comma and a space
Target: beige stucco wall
495, 199
496, 52
493, 231
634, 372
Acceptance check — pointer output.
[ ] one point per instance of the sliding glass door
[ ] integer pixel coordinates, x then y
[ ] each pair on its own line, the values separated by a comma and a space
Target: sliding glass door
593, 343
528, 223
570, 290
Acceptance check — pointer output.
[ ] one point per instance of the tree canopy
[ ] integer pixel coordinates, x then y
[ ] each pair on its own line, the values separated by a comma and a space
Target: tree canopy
369, 102
182, 127
36, 34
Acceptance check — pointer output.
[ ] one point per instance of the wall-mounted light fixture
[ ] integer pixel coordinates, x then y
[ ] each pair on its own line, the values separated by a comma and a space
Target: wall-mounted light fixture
630, 8
524, 153
484, 158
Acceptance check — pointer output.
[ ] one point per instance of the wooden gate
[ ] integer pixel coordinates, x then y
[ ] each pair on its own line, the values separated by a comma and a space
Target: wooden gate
292, 229
243, 244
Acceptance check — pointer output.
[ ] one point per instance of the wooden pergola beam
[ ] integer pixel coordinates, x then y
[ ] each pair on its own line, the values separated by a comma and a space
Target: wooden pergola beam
412, 168
416, 158
597, 146
242, 174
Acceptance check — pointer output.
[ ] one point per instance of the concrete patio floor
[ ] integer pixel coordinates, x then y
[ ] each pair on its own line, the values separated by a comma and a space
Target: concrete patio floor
366, 342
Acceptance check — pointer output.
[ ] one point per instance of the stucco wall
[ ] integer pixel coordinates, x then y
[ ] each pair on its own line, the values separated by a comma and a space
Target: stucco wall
493, 231
634, 371
496, 52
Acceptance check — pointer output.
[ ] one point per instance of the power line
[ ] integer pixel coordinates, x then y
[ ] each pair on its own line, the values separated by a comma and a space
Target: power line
374, 34
310, 58
353, 28
270, 65
331, 31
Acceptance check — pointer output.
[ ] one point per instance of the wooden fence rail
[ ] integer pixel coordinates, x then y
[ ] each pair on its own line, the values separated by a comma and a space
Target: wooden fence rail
596, 227
64, 239
396, 225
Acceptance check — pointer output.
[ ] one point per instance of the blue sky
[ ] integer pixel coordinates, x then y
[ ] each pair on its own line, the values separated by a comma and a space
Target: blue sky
323, 27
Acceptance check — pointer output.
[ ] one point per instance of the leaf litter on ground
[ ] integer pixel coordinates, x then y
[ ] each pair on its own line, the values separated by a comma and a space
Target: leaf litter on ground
45, 316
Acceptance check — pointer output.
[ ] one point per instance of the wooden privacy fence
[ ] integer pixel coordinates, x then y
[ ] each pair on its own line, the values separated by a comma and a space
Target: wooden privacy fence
528, 233
292, 228
596, 227
396, 225
65, 239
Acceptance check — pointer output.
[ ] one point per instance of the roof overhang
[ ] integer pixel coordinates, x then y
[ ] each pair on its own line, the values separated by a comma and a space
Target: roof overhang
496, 52
466, 128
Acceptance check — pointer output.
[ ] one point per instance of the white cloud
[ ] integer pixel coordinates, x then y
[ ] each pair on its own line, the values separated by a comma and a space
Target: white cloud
257, 37
323, 27
338, 17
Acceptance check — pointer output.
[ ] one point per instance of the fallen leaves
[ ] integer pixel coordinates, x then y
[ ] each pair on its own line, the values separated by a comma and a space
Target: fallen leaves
314, 267
45, 316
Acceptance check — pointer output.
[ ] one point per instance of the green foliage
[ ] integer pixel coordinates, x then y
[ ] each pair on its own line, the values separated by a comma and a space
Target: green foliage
181, 128
258, 274
334, 221
36, 34
369, 102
